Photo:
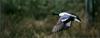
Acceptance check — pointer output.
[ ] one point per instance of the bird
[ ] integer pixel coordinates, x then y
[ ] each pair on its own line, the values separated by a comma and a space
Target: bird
64, 21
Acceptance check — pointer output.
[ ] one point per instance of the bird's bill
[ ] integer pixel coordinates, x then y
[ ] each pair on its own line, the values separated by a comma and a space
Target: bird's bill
77, 20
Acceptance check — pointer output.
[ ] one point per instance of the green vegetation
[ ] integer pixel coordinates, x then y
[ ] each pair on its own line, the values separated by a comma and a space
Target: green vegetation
34, 19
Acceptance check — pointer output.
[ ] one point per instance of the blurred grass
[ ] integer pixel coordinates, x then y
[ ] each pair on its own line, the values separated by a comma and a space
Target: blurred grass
33, 19
27, 27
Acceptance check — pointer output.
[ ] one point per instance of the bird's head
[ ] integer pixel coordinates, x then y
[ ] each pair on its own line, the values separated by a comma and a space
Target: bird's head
77, 19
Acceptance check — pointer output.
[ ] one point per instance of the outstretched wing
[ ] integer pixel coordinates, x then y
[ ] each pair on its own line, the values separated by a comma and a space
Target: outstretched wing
60, 25
57, 27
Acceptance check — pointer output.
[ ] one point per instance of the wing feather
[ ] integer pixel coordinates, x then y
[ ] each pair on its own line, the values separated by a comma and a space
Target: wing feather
60, 25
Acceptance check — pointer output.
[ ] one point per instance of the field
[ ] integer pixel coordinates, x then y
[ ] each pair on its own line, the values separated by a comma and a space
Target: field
34, 19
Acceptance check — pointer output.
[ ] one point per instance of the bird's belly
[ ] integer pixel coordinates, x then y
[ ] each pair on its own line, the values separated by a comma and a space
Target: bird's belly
65, 26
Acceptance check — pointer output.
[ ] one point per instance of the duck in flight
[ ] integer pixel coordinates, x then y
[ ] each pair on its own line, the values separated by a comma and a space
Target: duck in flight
64, 22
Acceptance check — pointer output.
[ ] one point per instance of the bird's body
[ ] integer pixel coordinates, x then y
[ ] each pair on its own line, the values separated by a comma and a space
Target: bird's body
64, 21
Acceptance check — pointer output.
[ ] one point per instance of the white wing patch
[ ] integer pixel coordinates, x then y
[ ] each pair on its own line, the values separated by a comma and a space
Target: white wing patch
64, 19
